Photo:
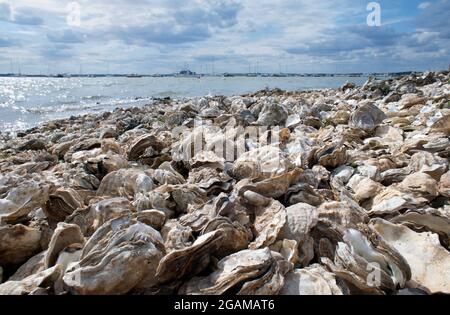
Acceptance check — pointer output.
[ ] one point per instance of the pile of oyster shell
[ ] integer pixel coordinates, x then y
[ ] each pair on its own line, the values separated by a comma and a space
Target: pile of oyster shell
357, 203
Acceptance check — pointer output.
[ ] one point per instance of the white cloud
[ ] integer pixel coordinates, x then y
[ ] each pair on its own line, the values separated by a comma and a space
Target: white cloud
424, 5
161, 35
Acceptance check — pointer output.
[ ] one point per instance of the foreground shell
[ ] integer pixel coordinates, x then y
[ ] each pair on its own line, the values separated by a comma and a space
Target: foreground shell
20, 201
18, 243
313, 280
232, 270
64, 236
269, 220
189, 260
120, 255
429, 261
36, 284
300, 220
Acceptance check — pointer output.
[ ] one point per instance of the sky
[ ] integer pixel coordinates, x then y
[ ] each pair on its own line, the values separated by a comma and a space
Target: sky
165, 36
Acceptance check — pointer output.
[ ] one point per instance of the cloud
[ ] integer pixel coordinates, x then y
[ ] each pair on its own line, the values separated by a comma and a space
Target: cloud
5, 12
424, 5
208, 58
26, 16
424, 41
348, 39
221, 13
170, 24
57, 51
22, 15
162, 36
435, 18
158, 33
66, 36
5, 42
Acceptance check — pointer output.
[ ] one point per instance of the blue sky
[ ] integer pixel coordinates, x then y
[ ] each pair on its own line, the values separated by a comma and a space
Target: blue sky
161, 36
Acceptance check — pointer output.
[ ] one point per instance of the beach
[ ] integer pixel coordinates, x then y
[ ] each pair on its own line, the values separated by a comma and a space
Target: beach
302, 188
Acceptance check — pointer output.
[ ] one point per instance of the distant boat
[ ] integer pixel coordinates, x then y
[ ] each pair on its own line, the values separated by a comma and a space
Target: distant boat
186, 73
63, 75
134, 76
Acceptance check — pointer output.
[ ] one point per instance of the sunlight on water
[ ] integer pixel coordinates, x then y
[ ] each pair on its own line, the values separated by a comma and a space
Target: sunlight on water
27, 102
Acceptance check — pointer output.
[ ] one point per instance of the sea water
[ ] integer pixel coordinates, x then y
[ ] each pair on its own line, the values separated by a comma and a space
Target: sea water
26, 102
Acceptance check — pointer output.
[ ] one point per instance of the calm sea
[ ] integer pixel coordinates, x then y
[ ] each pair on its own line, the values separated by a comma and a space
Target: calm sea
27, 102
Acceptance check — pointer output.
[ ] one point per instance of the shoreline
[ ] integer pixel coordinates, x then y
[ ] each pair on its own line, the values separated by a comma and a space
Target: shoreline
183, 99
325, 191
242, 75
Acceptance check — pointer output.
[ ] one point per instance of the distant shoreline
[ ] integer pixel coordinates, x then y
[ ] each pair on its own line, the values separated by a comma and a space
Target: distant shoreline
250, 75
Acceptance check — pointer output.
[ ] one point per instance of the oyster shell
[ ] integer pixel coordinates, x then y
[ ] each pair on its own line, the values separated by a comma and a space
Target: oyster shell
331, 156
313, 280
288, 249
272, 114
429, 261
269, 220
428, 163
274, 187
444, 185
235, 237
259, 162
231, 270
435, 220
270, 193
62, 203
118, 257
125, 183
33, 265
32, 284
141, 144
18, 243
20, 201
109, 209
300, 219
176, 236
64, 235
153, 218
189, 260
271, 282
367, 117
420, 185
303, 193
